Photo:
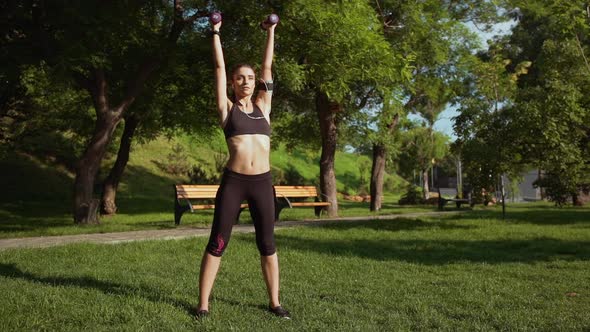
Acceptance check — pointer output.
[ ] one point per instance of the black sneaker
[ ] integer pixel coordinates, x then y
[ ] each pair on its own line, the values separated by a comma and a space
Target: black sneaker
202, 313
280, 312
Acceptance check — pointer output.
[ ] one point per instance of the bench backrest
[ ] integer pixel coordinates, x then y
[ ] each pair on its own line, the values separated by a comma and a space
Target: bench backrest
194, 191
448, 192
296, 191
188, 191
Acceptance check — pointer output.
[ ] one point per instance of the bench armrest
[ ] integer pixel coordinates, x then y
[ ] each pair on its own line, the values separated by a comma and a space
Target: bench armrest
190, 206
288, 201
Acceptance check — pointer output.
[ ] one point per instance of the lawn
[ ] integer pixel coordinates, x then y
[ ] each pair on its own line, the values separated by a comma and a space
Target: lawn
456, 273
51, 218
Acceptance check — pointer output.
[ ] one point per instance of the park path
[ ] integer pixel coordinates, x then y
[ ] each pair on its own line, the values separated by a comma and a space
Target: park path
182, 232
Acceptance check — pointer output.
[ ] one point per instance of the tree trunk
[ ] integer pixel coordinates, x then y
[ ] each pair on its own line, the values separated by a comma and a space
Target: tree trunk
576, 200
329, 133
425, 187
378, 169
111, 183
85, 205
377, 172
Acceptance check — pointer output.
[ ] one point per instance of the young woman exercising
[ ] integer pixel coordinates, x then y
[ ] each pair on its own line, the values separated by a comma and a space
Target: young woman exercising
246, 124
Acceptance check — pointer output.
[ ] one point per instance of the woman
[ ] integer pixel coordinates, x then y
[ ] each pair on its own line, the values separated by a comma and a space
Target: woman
246, 125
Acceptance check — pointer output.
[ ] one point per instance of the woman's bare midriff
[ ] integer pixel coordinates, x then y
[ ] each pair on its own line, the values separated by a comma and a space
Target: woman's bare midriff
249, 154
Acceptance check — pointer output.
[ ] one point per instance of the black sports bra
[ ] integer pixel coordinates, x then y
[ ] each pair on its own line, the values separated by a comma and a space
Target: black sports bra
240, 123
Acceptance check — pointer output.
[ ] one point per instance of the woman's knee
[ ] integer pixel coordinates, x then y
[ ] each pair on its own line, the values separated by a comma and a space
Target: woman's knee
266, 247
217, 245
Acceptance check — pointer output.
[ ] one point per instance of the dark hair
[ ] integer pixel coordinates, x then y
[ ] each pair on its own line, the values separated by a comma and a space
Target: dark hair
238, 66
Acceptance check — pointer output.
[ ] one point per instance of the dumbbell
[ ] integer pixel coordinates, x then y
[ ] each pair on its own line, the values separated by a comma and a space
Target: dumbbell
215, 17
272, 19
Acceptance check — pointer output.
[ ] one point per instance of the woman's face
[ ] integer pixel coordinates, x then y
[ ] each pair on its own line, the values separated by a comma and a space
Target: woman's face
244, 81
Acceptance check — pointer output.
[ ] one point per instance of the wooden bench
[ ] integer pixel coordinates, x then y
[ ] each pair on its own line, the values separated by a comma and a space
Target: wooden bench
285, 196
291, 196
442, 201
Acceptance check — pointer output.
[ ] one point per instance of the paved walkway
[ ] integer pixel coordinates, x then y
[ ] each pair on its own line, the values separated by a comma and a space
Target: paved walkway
181, 232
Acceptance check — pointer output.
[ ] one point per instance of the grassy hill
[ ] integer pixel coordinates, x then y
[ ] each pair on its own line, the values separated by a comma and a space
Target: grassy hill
37, 194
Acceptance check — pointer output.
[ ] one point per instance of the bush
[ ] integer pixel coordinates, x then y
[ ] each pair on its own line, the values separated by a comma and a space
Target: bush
199, 175
220, 158
176, 162
557, 189
278, 176
412, 196
288, 177
392, 184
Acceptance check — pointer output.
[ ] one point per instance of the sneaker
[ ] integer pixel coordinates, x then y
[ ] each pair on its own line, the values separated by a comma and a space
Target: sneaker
280, 312
201, 313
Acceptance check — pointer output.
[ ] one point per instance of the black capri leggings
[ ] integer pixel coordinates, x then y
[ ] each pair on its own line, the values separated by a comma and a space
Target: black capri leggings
234, 189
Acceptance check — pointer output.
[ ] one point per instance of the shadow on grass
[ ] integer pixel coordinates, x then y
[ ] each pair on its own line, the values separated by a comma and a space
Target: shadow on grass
106, 287
539, 214
435, 251
398, 224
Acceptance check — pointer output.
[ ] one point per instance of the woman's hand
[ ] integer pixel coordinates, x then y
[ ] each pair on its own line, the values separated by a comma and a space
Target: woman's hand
267, 26
270, 23
215, 19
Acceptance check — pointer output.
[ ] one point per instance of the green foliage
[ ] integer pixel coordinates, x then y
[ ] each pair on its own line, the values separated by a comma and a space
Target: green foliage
198, 175
485, 126
420, 146
344, 44
288, 177
67, 42
48, 121
176, 162
556, 188
412, 196
552, 108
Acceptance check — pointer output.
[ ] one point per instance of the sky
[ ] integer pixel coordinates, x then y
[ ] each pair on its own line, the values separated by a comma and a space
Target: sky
445, 119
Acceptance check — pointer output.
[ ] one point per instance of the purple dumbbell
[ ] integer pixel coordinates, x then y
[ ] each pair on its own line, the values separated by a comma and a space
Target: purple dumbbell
215, 17
272, 19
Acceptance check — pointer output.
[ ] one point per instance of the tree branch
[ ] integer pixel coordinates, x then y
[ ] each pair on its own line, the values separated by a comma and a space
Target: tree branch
134, 88
152, 64
99, 91
365, 99
393, 123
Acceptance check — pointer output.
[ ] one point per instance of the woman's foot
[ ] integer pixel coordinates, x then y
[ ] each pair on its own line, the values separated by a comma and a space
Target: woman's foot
280, 312
201, 313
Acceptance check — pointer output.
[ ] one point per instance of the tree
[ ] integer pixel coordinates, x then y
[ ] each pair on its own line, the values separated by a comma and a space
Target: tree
420, 147
432, 35
109, 50
553, 99
178, 100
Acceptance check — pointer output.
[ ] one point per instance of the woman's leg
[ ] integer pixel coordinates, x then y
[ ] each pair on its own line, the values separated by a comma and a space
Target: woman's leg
209, 267
270, 271
227, 208
262, 210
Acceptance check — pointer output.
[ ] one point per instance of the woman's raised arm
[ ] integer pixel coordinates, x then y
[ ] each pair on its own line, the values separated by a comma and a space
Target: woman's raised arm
264, 96
223, 103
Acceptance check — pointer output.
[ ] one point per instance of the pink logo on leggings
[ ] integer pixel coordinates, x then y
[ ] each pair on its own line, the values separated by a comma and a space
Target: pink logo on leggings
220, 244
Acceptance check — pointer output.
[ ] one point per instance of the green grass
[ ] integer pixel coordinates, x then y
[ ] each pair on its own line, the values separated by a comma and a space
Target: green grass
472, 272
